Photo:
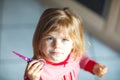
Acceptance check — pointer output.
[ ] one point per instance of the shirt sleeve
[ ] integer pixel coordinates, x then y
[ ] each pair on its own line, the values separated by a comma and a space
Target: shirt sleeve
87, 63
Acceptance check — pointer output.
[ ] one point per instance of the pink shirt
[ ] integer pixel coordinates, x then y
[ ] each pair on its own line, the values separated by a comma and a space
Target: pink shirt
66, 70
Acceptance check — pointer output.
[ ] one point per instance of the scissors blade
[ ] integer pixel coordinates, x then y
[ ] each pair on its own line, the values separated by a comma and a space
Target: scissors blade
21, 56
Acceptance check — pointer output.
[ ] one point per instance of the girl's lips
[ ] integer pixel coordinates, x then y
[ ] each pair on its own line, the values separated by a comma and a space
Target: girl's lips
56, 52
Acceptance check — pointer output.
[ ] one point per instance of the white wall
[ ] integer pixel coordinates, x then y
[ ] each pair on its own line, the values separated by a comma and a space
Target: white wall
18, 21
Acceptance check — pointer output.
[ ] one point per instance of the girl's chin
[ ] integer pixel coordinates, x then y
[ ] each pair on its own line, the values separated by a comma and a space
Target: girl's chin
53, 58
57, 60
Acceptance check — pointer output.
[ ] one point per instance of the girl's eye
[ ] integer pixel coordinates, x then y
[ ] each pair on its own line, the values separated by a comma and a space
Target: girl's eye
65, 39
50, 38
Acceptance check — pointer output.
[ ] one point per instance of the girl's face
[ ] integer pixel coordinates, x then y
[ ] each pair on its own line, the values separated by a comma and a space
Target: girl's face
56, 46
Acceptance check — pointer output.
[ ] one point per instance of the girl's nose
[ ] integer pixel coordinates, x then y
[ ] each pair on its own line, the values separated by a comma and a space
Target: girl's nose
57, 43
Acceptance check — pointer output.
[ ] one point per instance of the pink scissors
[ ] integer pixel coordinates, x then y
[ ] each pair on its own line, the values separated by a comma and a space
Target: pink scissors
28, 59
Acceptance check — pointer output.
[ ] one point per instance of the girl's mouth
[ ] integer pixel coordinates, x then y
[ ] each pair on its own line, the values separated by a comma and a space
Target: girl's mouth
56, 52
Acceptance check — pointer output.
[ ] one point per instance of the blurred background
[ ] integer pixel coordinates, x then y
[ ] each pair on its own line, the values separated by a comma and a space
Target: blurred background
101, 20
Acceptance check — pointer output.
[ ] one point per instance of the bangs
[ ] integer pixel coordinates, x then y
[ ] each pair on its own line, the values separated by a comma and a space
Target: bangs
60, 25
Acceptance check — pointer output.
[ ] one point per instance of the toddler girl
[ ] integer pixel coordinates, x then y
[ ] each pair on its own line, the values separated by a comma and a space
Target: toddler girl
59, 40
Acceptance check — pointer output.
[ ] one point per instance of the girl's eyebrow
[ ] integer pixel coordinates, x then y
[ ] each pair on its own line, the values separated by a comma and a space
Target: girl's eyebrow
48, 35
45, 36
52, 35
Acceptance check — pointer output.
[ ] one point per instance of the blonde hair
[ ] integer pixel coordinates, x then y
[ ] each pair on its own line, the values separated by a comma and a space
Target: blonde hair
57, 19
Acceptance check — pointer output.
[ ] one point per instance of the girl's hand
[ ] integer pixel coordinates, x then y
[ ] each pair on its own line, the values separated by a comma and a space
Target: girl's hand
99, 70
34, 69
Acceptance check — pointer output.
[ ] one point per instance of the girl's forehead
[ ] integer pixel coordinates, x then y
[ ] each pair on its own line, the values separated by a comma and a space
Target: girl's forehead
59, 33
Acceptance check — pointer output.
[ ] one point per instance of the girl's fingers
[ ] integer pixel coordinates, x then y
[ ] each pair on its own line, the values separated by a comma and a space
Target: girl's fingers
35, 61
35, 66
102, 70
30, 64
99, 70
34, 69
39, 68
